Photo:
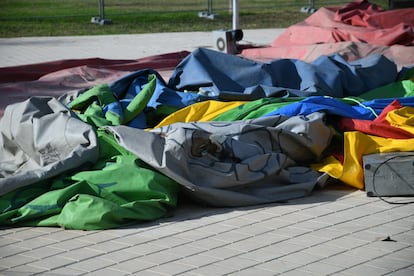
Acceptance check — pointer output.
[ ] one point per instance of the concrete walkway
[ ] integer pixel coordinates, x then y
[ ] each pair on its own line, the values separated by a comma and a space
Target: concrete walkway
334, 231
27, 50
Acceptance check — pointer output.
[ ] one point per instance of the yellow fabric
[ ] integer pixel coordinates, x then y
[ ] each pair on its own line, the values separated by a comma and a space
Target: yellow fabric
201, 112
356, 145
402, 118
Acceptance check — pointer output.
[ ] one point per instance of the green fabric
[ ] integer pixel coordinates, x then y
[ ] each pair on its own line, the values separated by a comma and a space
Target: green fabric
255, 109
399, 89
119, 189
407, 74
157, 115
140, 101
100, 93
90, 104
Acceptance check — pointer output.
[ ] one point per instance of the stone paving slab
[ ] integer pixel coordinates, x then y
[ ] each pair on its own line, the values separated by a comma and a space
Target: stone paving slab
302, 237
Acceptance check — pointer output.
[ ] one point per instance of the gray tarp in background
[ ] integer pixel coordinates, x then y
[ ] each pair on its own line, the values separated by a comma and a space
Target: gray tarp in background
235, 163
233, 77
41, 138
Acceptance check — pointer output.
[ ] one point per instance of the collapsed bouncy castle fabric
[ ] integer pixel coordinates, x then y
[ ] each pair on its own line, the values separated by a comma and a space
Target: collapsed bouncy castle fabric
353, 31
349, 168
226, 130
229, 77
41, 138
380, 126
57, 78
360, 21
142, 99
83, 181
235, 163
138, 99
403, 56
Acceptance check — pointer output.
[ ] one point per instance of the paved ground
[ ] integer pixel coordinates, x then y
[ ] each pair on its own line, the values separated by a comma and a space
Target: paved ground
334, 231
19, 51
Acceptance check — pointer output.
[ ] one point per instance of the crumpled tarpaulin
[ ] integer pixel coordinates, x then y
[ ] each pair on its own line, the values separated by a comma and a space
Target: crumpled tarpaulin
403, 56
137, 177
228, 77
56, 170
349, 167
57, 78
355, 30
326, 25
142, 99
118, 189
226, 130
365, 14
36, 71
380, 126
235, 163
41, 138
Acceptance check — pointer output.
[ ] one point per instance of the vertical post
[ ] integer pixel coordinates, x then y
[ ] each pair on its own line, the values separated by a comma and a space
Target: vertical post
210, 6
312, 4
235, 14
101, 19
102, 9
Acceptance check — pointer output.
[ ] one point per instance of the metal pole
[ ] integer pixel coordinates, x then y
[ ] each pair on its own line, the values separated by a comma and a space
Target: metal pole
312, 4
101, 19
102, 9
235, 14
210, 6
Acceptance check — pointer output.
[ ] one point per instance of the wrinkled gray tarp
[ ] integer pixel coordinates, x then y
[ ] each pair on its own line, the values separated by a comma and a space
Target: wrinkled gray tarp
41, 138
235, 163
233, 77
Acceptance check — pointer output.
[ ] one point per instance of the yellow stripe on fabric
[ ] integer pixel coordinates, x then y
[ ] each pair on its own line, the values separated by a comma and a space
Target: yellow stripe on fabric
356, 145
201, 112
402, 118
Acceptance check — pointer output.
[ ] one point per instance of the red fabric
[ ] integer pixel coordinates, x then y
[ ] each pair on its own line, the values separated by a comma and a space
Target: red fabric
57, 78
35, 71
360, 22
326, 26
364, 14
401, 55
378, 127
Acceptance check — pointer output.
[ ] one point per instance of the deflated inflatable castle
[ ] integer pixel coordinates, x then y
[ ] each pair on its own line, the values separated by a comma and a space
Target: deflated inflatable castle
97, 144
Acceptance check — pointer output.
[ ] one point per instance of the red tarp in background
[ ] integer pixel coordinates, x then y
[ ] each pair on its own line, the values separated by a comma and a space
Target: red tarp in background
56, 78
356, 30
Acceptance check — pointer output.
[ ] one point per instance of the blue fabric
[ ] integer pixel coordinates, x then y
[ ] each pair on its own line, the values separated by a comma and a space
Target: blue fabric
379, 104
367, 110
130, 85
207, 74
119, 107
222, 75
324, 104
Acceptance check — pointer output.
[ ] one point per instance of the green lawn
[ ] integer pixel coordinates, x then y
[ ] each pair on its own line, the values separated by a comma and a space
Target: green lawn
72, 17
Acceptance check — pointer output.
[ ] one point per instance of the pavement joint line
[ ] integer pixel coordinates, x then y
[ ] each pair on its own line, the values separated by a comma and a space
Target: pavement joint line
322, 258
243, 226
375, 258
270, 230
405, 267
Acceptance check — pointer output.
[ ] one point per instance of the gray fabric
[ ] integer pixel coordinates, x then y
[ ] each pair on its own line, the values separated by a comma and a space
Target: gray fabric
41, 138
235, 163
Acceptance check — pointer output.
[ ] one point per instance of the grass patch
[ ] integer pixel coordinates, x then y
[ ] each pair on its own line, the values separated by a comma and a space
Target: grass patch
20, 18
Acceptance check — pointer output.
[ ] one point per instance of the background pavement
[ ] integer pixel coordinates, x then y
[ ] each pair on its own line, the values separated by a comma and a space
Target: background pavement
27, 50
334, 231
